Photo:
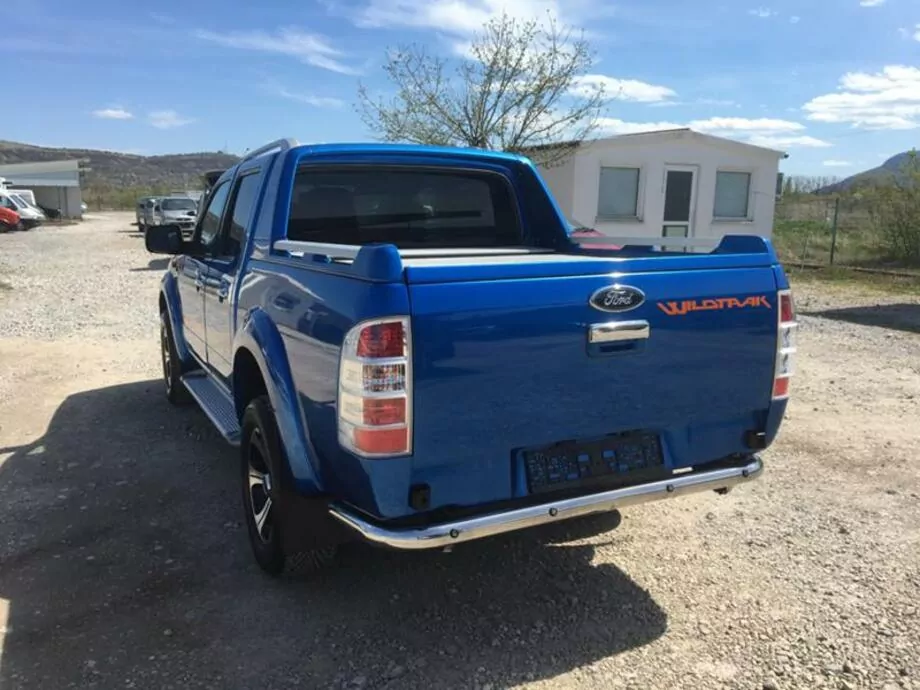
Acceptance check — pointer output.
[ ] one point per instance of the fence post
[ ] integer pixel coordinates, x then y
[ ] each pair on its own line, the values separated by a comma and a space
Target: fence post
834, 229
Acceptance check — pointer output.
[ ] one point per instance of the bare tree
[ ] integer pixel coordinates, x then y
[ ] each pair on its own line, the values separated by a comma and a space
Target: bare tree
518, 88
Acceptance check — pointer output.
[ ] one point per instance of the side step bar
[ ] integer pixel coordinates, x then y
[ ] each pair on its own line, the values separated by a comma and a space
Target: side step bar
469, 529
216, 404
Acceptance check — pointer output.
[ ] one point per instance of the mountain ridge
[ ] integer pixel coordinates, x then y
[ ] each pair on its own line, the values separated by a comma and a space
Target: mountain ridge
888, 171
114, 169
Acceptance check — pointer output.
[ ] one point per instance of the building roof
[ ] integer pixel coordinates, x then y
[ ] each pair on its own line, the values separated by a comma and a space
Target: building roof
679, 133
64, 173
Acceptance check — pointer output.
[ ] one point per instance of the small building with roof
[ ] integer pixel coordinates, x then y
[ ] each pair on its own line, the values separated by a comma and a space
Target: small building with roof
674, 183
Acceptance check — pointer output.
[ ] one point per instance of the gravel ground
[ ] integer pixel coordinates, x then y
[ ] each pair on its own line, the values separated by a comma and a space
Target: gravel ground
123, 563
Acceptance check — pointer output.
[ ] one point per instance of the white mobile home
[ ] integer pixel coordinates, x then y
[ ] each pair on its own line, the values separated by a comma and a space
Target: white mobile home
675, 183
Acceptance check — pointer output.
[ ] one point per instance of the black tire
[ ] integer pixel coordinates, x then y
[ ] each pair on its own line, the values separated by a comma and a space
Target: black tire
261, 463
172, 365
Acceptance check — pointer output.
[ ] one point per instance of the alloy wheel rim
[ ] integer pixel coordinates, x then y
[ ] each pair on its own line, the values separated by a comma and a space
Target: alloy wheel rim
167, 360
260, 489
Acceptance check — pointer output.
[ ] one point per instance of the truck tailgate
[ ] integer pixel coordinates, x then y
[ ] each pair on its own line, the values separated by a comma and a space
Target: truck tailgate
503, 364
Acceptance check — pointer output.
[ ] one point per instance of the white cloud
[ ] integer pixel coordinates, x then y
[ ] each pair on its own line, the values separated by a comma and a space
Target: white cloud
889, 99
794, 19
463, 17
168, 119
310, 99
610, 125
781, 142
115, 113
762, 13
871, 3
837, 164
768, 132
622, 89
312, 49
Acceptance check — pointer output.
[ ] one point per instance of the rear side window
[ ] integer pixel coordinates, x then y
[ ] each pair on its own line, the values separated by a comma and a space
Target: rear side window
405, 207
210, 224
247, 189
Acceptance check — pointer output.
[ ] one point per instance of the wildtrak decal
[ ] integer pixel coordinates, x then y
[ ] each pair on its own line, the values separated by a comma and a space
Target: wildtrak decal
688, 305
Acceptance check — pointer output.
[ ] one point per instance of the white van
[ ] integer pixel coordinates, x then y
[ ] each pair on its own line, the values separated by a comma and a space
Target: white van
30, 215
26, 195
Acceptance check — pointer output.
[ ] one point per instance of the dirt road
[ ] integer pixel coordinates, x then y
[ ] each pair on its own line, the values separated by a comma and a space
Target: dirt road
123, 562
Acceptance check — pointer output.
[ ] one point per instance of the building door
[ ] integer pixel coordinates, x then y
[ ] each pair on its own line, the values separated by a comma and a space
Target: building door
679, 201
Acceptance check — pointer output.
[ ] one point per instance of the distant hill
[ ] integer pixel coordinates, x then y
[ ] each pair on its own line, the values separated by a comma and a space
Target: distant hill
113, 170
886, 172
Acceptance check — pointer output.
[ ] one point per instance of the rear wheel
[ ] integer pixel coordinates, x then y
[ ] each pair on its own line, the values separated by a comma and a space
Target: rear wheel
261, 460
172, 365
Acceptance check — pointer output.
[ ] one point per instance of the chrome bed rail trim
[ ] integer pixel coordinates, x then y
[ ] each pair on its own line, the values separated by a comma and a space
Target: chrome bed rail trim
468, 529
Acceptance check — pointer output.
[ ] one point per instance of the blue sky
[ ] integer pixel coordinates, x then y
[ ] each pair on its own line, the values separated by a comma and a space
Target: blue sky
835, 83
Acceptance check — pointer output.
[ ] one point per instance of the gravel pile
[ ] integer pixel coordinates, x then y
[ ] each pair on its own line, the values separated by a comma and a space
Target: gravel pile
124, 561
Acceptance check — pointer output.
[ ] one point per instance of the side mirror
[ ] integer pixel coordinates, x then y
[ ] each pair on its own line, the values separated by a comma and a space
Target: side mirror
156, 208
164, 239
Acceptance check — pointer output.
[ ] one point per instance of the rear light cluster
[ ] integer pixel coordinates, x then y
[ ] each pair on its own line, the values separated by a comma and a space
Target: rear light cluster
375, 405
785, 345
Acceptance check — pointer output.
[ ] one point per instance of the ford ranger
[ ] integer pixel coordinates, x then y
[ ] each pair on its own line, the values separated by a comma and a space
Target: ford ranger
411, 346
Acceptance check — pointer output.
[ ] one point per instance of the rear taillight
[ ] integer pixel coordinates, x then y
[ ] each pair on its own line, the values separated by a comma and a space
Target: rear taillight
785, 345
375, 381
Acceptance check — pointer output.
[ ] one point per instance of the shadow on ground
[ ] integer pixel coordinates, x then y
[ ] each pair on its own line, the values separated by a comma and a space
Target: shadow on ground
153, 265
901, 317
125, 565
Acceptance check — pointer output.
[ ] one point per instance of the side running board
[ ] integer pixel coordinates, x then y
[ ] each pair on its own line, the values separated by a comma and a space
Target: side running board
216, 404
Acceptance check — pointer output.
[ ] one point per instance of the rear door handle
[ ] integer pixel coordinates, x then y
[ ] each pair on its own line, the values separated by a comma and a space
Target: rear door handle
618, 331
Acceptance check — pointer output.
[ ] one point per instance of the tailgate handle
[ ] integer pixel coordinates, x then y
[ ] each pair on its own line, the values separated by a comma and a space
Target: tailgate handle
618, 331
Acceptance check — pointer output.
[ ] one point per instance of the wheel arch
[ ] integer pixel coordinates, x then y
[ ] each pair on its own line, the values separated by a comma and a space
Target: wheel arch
261, 366
170, 303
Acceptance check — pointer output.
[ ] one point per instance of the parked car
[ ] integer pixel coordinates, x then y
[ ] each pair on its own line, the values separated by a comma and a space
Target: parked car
140, 210
409, 347
171, 210
30, 216
9, 220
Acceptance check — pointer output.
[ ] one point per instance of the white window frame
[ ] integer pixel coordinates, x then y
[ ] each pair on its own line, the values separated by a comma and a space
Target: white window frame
640, 193
749, 218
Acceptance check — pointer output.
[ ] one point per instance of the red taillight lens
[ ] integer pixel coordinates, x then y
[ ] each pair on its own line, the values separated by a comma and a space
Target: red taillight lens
381, 441
781, 387
382, 340
785, 345
786, 307
374, 402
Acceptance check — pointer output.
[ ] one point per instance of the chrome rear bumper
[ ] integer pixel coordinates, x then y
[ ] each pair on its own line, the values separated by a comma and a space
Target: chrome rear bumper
468, 529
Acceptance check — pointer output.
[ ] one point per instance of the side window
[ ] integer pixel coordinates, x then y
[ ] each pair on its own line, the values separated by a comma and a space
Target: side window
5, 202
244, 199
210, 222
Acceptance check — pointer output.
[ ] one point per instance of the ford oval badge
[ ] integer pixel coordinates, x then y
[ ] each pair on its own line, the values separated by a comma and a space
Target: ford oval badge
617, 298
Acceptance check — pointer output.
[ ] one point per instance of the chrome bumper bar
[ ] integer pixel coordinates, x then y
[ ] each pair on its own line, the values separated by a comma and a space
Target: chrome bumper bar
468, 529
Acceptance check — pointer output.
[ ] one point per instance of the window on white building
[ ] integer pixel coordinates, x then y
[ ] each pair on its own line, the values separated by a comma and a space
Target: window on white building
733, 193
618, 193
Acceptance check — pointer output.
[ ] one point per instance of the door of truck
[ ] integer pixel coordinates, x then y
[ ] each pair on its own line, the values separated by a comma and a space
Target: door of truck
193, 271
223, 265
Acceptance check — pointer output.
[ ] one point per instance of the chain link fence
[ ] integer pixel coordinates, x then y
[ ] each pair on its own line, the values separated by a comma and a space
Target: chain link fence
825, 231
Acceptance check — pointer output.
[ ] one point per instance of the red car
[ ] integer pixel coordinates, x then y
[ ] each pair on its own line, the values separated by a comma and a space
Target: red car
9, 220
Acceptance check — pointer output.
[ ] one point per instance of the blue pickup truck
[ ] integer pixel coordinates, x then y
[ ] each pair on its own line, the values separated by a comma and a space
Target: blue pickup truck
412, 347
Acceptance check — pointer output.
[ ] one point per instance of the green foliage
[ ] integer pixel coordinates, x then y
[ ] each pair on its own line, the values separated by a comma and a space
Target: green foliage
101, 197
895, 211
